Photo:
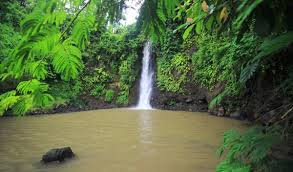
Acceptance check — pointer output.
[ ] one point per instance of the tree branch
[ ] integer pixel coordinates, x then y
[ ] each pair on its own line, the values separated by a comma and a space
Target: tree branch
73, 20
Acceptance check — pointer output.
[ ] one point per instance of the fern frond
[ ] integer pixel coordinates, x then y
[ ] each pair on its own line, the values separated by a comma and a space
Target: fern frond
16, 68
171, 5
272, 46
7, 100
32, 23
23, 105
218, 99
43, 100
248, 72
7, 94
67, 60
267, 48
56, 17
31, 86
39, 70
154, 14
42, 44
247, 150
229, 137
36, 47
33, 95
81, 31
226, 166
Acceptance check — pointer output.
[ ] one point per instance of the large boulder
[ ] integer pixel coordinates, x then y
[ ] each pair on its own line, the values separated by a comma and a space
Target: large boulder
59, 154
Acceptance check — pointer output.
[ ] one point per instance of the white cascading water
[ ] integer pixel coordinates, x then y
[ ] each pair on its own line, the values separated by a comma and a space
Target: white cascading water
146, 80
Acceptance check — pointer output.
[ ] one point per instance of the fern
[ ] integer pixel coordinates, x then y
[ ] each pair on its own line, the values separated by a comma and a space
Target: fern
81, 31
248, 72
32, 23
267, 48
7, 100
32, 86
39, 69
219, 98
57, 18
43, 100
23, 105
67, 60
272, 46
28, 95
226, 166
249, 151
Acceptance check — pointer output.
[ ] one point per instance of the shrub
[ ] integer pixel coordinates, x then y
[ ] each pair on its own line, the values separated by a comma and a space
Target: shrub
219, 60
128, 73
109, 95
171, 75
98, 91
66, 92
122, 99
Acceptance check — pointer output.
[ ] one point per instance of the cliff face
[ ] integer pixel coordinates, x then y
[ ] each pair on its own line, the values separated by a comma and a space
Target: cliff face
264, 97
194, 99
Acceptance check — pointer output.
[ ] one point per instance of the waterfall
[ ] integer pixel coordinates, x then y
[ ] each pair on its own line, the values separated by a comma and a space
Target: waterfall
146, 80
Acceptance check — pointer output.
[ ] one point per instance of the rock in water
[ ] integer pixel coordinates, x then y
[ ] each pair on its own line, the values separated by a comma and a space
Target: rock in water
221, 112
59, 154
236, 115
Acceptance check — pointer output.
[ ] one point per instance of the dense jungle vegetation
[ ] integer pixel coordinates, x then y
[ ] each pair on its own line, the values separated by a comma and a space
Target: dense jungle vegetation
73, 53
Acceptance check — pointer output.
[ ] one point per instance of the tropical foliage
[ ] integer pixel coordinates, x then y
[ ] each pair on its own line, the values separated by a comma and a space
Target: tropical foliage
54, 35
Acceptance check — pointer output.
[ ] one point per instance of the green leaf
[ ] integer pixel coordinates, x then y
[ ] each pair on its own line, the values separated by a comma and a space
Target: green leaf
187, 31
199, 26
210, 22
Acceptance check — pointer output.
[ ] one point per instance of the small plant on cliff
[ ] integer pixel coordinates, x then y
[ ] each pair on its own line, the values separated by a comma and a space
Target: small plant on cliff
172, 75
128, 73
109, 95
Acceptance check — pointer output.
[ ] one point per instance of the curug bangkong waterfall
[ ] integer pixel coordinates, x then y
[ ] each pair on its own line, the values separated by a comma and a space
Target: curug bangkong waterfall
146, 81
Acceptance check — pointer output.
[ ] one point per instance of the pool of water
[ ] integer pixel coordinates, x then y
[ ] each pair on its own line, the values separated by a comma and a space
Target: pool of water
117, 140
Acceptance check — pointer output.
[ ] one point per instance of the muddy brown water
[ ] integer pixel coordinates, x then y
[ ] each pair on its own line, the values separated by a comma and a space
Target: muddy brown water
117, 140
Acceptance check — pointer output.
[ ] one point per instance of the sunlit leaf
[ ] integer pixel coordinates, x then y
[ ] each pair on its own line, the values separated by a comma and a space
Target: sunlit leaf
209, 23
224, 15
204, 6
187, 31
